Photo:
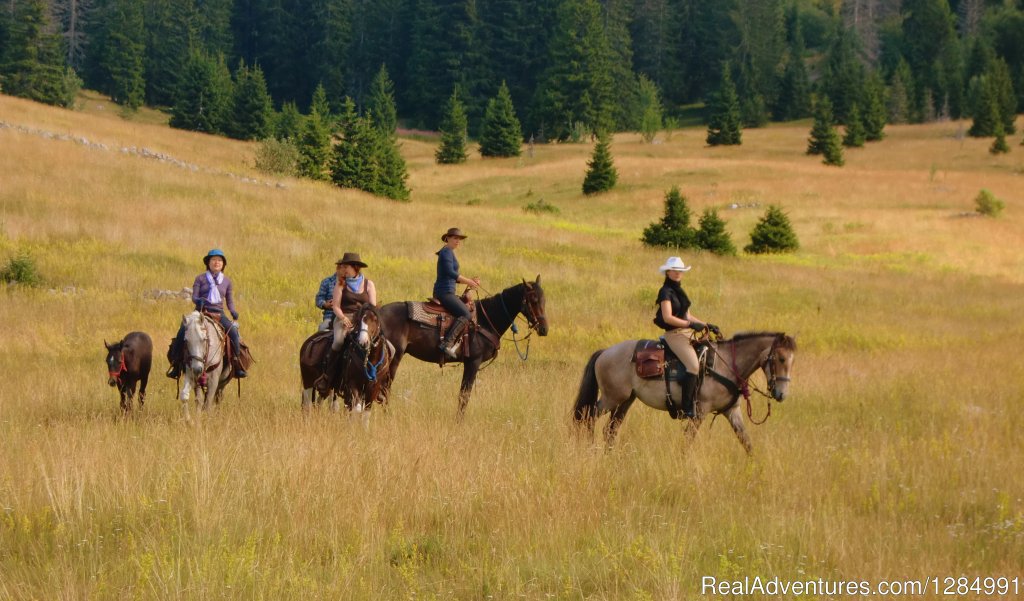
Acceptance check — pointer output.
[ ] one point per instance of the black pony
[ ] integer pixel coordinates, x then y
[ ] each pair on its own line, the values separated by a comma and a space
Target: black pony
128, 363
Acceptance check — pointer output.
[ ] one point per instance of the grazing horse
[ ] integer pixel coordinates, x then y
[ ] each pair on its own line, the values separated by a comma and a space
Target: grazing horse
612, 372
207, 368
364, 370
128, 363
495, 314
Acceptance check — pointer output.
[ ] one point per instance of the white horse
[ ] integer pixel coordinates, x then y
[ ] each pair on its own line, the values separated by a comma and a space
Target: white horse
207, 369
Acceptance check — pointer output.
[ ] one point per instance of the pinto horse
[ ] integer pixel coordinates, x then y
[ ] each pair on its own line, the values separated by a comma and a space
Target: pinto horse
611, 372
365, 366
128, 362
495, 314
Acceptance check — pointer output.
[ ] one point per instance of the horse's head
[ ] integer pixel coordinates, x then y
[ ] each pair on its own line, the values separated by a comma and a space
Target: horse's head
533, 306
197, 341
367, 323
778, 365
115, 362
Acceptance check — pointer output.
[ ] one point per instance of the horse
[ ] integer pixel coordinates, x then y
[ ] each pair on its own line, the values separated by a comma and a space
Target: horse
495, 315
364, 366
207, 368
128, 362
611, 372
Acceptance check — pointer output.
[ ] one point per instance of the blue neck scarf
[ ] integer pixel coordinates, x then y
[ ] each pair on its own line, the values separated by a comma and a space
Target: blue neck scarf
354, 284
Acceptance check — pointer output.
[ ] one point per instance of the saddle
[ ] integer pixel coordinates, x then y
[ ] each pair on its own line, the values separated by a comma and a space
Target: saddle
431, 313
244, 360
655, 359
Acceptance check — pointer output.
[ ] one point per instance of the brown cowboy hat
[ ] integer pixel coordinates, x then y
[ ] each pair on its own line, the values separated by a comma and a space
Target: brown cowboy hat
454, 232
351, 259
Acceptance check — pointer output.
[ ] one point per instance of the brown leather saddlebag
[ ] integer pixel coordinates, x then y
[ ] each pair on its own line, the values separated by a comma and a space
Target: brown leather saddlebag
649, 359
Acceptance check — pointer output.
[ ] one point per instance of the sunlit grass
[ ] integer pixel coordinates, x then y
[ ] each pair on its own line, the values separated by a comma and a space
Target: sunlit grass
897, 454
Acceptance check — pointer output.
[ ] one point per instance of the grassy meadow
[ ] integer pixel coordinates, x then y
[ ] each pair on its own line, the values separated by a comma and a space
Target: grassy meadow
896, 456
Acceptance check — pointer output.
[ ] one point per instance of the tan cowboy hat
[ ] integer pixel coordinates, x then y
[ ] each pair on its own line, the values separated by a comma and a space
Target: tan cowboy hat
453, 232
351, 259
674, 264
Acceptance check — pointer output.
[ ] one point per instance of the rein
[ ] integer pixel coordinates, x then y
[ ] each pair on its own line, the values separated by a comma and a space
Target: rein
743, 385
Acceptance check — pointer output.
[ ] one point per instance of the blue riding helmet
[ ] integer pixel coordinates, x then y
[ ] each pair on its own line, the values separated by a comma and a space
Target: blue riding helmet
215, 253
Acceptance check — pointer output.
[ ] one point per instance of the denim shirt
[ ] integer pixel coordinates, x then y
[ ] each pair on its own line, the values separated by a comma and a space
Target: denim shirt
326, 293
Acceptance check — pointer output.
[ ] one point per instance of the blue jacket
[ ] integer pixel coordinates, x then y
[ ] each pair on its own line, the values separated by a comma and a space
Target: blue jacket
326, 293
447, 272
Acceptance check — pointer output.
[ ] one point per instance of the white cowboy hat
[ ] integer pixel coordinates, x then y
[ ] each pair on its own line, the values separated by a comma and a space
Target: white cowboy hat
674, 264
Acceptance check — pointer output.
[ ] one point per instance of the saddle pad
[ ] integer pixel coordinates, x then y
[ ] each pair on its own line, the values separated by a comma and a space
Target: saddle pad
419, 314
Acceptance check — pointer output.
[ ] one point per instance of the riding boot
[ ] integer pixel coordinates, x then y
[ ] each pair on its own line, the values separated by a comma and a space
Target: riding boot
689, 386
174, 354
236, 348
323, 382
450, 344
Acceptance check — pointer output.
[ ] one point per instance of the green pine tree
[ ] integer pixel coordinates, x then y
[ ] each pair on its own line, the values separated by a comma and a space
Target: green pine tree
601, 173
1006, 99
393, 172
772, 234
578, 85
501, 134
674, 229
322, 106
901, 90
855, 132
356, 164
203, 97
984, 107
794, 100
252, 112
314, 146
32, 63
170, 29
724, 123
999, 145
824, 139
650, 108
289, 123
123, 54
381, 103
712, 235
453, 132
875, 115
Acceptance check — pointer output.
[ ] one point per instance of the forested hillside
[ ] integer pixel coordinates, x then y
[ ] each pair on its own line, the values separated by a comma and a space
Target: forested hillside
571, 66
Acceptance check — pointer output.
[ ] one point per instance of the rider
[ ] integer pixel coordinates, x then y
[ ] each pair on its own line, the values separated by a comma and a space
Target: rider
351, 292
325, 298
444, 289
673, 315
210, 292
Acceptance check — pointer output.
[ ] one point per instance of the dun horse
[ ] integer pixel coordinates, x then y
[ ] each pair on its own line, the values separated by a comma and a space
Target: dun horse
611, 372
128, 363
364, 375
495, 315
207, 368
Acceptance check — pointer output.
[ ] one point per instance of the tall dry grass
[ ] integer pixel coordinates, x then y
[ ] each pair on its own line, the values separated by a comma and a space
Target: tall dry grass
897, 455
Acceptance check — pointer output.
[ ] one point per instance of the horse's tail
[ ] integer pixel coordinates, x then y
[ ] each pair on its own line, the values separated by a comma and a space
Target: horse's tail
585, 409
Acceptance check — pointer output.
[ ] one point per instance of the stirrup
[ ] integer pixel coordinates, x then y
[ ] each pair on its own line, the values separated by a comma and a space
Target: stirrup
173, 372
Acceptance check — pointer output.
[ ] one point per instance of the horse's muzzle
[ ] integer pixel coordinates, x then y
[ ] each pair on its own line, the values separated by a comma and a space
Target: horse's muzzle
779, 392
542, 328
112, 382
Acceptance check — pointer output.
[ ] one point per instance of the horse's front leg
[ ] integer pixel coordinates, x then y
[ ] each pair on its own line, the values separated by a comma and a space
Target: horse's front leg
186, 391
736, 421
126, 399
469, 371
611, 429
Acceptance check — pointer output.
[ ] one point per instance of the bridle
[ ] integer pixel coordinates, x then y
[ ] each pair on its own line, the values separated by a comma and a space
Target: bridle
769, 366
122, 368
743, 385
370, 369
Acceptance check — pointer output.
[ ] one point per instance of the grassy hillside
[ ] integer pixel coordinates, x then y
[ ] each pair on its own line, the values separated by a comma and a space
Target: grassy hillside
896, 456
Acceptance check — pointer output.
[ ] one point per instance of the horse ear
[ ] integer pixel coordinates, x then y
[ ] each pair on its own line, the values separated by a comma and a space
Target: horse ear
538, 280
105, 344
526, 284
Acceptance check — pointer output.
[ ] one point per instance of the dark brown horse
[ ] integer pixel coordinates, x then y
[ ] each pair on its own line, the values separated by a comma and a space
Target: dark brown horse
364, 371
128, 363
495, 314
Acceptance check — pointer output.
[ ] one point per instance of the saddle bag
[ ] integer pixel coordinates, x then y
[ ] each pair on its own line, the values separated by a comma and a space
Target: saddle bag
649, 358
244, 359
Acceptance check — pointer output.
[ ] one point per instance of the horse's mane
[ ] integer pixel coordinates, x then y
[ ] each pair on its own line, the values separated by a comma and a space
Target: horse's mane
785, 341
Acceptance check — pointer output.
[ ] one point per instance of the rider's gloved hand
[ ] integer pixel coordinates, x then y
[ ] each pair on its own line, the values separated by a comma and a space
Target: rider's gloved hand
696, 325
